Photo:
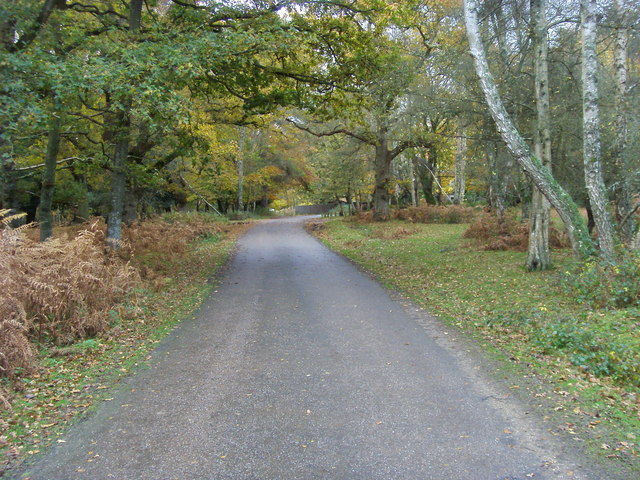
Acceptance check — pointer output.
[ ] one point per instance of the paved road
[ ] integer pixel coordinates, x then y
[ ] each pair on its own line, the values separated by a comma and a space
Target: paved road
302, 367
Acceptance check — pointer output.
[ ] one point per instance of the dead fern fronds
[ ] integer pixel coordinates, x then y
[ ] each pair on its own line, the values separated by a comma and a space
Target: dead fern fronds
7, 218
495, 233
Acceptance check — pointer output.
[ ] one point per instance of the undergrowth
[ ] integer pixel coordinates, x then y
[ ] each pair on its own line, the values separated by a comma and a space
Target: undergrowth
452, 214
599, 283
60, 377
69, 289
491, 232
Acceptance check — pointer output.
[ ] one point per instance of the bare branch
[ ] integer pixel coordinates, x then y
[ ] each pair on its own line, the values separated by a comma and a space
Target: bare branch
64, 160
193, 190
337, 131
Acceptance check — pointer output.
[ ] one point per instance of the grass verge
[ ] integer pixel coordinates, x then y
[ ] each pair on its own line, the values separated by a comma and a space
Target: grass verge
70, 380
561, 354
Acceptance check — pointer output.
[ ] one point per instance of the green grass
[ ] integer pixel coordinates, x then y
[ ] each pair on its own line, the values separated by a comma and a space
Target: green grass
578, 366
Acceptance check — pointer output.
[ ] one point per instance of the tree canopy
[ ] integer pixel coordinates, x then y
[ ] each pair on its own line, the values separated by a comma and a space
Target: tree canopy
126, 108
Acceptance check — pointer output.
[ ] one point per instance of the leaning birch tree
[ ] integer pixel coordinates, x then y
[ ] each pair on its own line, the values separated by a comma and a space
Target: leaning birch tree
541, 177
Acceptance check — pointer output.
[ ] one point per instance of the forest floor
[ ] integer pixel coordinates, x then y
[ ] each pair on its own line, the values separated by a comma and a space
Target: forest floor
542, 337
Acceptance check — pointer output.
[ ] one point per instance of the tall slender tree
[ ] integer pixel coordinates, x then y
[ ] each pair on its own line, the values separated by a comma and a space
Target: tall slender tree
539, 257
622, 178
594, 178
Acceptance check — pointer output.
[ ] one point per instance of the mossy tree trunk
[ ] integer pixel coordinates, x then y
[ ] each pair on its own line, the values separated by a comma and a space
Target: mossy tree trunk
383, 161
593, 175
45, 218
122, 130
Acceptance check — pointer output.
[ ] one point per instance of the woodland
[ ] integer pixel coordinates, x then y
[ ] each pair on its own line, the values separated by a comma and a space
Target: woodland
127, 109
522, 114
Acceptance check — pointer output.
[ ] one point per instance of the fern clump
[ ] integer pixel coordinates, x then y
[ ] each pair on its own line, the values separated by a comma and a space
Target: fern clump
58, 290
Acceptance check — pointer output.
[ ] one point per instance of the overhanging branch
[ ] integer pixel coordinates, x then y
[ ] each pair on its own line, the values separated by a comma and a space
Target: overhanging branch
337, 131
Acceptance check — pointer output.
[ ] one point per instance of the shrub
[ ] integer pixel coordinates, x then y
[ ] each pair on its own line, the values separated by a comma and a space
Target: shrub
600, 356
153, 245
598, 283
505, 233
65, 289
452, 214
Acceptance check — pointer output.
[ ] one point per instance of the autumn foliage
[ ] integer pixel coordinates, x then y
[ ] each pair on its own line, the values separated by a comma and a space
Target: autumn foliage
65, 289
505, 233
428, 214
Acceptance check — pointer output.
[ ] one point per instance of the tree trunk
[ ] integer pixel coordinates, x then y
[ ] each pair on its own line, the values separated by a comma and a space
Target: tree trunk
7, 176
539, 257
118, 183
460, 165
622, 174
240, 166
594, 180
382, 182
45, 218
424, 167
121, 151
541, 177
498, 179
412, 173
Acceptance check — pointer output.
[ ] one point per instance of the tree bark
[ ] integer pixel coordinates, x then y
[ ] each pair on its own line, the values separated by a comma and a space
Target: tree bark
460, 165
45, 219
240, 166
541, 177
382, 179
121, 151
622, 188
539, 256
594, 180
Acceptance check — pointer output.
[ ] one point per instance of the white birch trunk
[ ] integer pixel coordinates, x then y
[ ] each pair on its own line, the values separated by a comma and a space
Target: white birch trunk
460, 166
541, 177
539, 256
594, 180
622, 189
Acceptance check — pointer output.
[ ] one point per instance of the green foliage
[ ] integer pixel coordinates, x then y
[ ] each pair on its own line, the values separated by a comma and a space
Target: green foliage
595, 350
599, 283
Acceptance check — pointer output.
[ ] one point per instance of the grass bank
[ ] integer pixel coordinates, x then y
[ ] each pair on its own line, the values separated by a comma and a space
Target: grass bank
576, 366
68, 379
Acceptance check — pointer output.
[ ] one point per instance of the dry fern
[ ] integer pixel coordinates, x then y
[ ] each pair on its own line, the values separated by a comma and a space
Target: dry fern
64, 289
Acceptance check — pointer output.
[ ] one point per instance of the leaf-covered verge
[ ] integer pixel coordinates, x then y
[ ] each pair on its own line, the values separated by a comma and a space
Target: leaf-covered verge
579, 367
61, 366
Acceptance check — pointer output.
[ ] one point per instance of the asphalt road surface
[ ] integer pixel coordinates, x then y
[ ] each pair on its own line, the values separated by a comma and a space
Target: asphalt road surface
299, 366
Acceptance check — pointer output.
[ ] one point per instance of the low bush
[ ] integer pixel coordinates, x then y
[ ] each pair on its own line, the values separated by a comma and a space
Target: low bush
603, 284
600, 353
452, 214
505, 233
